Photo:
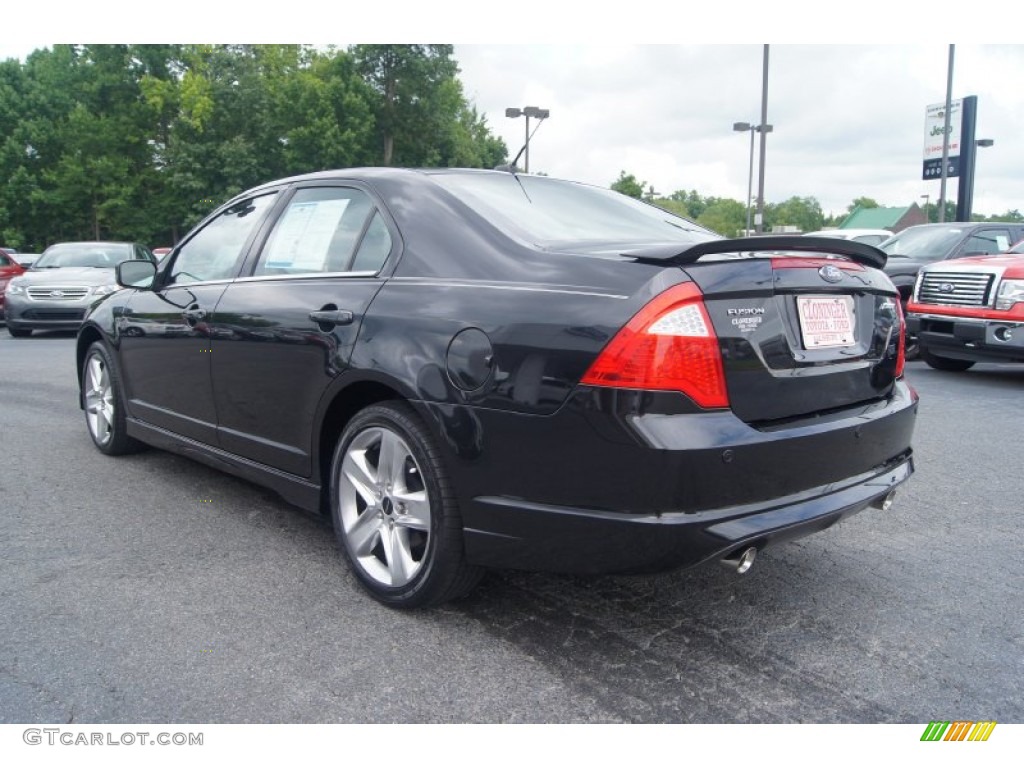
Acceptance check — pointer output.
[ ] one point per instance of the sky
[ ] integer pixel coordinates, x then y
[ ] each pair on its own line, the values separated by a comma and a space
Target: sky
654, 90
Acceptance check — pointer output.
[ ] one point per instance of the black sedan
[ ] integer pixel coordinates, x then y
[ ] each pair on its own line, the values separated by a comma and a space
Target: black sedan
476, 369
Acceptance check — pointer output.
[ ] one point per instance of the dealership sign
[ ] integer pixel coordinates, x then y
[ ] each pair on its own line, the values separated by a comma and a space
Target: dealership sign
934, 125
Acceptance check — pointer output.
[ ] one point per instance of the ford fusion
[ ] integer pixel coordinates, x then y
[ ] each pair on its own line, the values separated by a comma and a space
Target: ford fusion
479, 369
61, 284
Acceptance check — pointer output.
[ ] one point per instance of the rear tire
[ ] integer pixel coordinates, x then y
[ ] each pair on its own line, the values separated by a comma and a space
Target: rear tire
395, 512
945, 363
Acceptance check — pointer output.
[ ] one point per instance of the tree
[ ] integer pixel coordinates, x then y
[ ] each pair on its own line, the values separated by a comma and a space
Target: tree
802, 212
724, 216
628, 185
861, 202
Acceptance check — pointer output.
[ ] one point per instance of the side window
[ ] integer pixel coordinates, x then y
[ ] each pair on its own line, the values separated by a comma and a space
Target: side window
213, 253
374, 249
318, 232
4, 261
987, 241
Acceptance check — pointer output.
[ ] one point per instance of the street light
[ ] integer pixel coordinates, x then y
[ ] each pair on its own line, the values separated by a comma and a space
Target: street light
767, 128
926, 199
527, 112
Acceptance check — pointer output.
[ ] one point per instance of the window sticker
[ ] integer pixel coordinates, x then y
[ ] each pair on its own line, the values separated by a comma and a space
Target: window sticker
302, 239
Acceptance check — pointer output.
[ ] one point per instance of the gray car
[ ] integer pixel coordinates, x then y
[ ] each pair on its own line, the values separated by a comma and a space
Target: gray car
55, 293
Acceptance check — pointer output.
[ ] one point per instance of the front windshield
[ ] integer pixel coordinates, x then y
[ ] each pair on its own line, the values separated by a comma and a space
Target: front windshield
929, 243
554, 213
100, 255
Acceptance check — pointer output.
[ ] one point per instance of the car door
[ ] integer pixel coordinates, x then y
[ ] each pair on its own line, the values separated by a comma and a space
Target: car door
985, 241
285, 331
165, 334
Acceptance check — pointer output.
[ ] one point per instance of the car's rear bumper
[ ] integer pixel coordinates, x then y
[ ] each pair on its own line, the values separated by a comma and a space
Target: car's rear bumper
968, 338
572, 540
605, 486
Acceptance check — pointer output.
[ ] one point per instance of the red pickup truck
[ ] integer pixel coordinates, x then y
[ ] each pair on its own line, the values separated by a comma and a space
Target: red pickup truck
970, 310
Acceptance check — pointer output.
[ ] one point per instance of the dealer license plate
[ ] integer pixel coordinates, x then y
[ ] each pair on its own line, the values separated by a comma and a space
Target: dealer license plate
826, 321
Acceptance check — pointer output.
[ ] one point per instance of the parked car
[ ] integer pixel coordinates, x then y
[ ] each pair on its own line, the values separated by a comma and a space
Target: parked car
970, 310
914, 247
869, 236
477, 369
8, 268
59, 287
161, 253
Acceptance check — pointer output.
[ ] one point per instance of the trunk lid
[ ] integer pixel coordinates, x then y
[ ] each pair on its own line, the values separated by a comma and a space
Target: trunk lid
800, 335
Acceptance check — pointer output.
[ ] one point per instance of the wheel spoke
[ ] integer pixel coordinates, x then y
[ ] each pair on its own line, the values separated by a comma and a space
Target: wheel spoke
414, 510
360, 475
95, 375
401, 566
392, 459
364, 533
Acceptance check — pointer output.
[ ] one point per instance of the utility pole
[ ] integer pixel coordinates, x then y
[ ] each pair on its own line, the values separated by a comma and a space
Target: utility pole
945, 138
759, 224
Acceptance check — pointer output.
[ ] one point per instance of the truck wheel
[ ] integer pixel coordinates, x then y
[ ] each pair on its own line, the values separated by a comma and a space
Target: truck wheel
945, 363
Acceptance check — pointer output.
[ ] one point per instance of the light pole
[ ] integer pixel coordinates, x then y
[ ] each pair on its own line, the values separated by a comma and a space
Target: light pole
926, 199
527, 112
750, 174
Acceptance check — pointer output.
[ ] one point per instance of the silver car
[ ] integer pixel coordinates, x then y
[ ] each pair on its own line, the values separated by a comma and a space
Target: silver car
55, 292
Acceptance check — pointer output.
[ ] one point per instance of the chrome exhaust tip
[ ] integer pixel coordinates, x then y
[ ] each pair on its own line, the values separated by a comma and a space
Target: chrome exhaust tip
740, 561
885, 503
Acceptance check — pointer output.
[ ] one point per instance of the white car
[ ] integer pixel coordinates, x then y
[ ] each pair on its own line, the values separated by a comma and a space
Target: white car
869, 236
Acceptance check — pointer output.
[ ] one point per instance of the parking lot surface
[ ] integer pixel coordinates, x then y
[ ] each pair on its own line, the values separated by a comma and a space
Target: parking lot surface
150, 588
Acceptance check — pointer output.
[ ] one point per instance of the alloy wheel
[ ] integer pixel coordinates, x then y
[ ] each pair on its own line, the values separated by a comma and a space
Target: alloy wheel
384, 507
99, 400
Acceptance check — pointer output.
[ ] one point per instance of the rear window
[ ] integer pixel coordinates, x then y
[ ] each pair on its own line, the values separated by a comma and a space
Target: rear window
554, 213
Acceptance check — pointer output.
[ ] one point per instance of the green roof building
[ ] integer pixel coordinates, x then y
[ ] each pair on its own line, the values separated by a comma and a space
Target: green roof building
893, 219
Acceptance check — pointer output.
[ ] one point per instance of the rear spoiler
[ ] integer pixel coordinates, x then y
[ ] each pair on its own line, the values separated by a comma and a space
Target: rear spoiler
859, 252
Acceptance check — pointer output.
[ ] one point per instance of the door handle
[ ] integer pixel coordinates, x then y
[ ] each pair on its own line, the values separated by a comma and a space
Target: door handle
331, 317
193, 314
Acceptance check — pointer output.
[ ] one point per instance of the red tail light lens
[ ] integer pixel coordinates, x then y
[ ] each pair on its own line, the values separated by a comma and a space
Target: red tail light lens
670, 344
901, 354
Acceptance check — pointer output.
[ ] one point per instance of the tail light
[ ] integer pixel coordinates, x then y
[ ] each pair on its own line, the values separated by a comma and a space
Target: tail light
670, 344
901, 350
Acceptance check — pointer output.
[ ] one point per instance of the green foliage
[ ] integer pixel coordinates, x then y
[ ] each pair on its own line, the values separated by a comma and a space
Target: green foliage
724, 216
861, 202
142, 141
802, 212
628, 185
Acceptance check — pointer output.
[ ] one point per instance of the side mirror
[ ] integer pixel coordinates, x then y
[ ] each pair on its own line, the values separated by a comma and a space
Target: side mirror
136, 274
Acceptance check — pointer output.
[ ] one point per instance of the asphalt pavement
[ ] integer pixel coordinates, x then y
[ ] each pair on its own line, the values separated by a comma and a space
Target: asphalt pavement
149, 588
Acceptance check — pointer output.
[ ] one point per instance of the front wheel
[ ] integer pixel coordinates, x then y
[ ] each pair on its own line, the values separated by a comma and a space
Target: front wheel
945, 363
104, 409
394, 510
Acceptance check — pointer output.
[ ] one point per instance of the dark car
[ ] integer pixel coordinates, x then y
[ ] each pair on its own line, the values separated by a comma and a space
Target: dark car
914, 247
477, 369
56, 291
8, 268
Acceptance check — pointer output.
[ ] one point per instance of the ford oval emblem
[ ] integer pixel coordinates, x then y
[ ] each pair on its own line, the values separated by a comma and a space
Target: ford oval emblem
946, 288
57, 293
831, 274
